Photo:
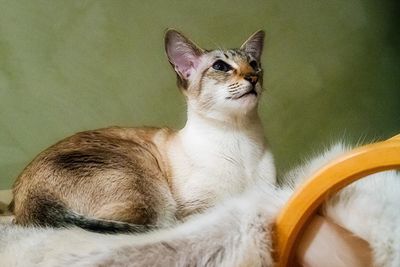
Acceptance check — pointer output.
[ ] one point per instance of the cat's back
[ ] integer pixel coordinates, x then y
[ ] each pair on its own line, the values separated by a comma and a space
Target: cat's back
96, 150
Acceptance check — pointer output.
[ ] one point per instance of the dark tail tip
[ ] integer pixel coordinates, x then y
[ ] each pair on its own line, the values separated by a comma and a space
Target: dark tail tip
52, 213
104, 226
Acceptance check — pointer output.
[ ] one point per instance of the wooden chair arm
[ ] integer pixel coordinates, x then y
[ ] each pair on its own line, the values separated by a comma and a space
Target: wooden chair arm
329, 180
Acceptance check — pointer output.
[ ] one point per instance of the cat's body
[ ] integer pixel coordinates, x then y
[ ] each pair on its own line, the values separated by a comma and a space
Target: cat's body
237, 232
112, 174
133, 179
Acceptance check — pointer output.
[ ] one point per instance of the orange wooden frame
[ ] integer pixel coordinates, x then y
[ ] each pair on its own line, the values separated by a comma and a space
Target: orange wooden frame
304, 203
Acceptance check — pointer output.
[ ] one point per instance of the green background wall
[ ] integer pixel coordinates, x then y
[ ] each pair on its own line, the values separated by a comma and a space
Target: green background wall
332, 69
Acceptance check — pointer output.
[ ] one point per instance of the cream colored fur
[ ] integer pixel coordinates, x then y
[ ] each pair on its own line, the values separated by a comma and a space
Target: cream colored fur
212, 160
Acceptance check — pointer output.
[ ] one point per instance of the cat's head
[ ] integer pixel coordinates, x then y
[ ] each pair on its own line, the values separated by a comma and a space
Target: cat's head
217, 83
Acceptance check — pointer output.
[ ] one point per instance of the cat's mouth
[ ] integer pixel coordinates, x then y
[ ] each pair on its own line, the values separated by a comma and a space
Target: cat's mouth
250, 92
247, 93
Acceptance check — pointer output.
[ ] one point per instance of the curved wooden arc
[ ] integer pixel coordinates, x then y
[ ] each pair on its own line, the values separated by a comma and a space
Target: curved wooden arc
303, 204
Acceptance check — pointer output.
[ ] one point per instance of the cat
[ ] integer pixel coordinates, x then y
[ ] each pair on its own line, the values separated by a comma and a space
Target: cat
138, 179
236, 232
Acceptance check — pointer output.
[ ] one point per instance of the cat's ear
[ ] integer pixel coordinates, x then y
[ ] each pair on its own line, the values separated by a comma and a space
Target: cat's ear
182, 53
254, 45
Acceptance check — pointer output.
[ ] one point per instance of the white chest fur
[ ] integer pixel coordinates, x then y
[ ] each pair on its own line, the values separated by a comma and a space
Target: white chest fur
212, 161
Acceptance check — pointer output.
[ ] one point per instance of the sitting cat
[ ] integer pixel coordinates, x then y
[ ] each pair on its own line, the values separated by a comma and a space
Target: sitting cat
135, 179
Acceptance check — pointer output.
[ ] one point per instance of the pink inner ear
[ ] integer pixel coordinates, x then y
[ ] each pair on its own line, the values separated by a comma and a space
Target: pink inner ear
187, 68
184, 59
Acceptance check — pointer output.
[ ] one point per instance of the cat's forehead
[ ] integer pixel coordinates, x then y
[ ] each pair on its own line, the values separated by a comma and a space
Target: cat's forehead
230, 55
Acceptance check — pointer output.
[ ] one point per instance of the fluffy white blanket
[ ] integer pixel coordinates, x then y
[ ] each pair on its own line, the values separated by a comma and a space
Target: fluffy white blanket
234, 233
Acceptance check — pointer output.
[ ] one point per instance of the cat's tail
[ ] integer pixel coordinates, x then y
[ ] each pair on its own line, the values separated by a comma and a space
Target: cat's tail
103, 226
50, 213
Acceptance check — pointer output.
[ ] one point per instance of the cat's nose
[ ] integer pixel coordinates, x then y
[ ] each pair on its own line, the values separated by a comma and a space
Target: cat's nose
252, 79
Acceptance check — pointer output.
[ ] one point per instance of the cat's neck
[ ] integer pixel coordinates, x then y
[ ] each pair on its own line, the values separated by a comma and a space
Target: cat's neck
211, 128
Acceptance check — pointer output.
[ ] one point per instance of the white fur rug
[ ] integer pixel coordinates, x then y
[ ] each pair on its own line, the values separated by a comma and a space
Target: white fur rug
234, 233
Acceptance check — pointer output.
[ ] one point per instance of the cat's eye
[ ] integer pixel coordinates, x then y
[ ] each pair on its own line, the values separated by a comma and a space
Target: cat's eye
221, 66
254, 64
